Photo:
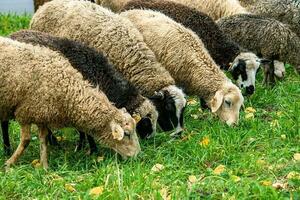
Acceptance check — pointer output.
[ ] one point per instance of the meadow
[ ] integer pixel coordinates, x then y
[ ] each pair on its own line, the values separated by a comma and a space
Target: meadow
258, 159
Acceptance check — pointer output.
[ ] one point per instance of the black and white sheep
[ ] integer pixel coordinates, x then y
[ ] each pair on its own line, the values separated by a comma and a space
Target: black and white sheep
185, 56
122, 44
39, 86
222, 49
264, 36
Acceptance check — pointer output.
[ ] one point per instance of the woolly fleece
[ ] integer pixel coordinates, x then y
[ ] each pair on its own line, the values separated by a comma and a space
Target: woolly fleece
109, 33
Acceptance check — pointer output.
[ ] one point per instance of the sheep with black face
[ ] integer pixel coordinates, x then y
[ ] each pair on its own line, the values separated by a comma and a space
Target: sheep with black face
119, 41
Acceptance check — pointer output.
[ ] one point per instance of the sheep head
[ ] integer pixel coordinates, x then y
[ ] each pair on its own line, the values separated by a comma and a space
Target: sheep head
122, 137
243, 70
146, 118
227, 102
170, 103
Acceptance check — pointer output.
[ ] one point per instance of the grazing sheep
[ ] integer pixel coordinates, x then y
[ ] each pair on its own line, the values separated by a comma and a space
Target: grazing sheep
186, 58
216, 9
284, 11
122, 44
266, 37
39, 86
95, 68
222, 49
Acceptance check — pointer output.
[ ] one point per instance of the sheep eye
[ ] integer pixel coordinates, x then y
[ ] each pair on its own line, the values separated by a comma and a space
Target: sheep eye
228, 103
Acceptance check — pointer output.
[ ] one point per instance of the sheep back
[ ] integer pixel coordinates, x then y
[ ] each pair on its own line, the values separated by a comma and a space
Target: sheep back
91, 64
180, 51
266, 37
221, 48
39, 86
216, 9
109, 33
284, 11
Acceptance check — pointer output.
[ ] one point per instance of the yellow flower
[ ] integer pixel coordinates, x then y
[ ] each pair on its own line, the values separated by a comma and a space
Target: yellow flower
266, 183
205, 141
219, 170
250, 110
249, 116
157, 168
70, 187
297, 156
96, 191
294, 175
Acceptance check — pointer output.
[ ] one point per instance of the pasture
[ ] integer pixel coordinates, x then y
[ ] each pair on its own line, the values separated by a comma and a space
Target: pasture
258, 159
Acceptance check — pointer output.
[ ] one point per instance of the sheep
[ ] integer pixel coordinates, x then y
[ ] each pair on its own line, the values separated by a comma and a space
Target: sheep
221, 48
39, 86
284, 11
216, 9
99, 72
264, 36
123, 45
186, 58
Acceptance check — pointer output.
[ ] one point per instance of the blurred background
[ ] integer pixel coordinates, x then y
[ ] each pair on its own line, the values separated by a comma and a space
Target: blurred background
16, 6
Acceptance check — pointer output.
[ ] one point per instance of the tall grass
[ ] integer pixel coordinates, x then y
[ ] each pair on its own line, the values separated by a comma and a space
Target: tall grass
12, 22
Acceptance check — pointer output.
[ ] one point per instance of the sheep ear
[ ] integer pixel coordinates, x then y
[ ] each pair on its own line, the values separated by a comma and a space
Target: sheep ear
217, 101
117, 131
157, 96
123, 110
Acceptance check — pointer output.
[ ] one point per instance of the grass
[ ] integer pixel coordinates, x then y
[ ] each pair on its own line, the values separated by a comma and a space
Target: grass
256, 154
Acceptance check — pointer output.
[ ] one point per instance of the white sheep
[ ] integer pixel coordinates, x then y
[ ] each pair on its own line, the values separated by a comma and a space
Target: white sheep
39, 86
185, 56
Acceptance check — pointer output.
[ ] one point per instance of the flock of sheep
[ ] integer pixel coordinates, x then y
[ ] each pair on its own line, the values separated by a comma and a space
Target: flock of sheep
113, 74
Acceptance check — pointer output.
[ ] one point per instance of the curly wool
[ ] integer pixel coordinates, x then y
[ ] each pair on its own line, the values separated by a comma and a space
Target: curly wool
285, 11
109, 33
180, 51
91, 64
221, 48
216, 9
39, 86
266, 37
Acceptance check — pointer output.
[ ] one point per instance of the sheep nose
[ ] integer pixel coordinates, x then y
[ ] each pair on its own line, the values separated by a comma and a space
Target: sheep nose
250, 89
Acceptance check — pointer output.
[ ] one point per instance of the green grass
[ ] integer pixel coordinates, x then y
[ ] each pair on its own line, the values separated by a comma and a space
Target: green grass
255, 151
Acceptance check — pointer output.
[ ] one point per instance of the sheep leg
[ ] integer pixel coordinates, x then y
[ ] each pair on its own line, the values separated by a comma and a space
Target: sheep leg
92, 144
269, 74
80, 142
24, 142
272, 75
51, 138
5, 135
43, 132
